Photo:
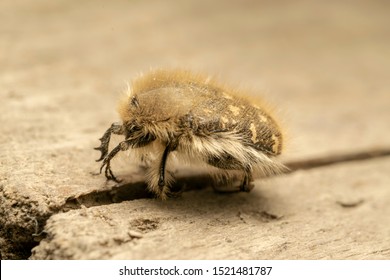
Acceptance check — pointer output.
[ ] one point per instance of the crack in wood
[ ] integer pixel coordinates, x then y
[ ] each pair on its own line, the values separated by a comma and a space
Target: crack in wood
335, 159
130, 191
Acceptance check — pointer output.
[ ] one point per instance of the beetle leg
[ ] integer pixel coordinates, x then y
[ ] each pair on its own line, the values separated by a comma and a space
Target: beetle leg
169, 148
115, 128
106, 162
161, 180
247, 185
122, 146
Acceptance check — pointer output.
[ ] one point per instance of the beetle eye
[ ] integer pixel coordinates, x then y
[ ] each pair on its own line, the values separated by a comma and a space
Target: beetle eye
131, 128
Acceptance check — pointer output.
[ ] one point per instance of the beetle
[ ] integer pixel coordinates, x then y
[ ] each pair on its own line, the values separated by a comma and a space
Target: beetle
194, 119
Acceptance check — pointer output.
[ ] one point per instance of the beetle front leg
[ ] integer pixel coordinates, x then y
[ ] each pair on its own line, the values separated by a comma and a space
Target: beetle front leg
115, 128
122, 146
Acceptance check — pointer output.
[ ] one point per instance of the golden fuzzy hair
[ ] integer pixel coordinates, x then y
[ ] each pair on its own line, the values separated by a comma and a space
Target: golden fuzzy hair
191, 118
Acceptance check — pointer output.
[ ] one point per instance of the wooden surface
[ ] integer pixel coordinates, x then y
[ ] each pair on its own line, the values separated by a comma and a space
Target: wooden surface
337, 212
324, 66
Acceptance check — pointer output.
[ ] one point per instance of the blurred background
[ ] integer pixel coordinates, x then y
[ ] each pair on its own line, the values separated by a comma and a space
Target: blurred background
325, 65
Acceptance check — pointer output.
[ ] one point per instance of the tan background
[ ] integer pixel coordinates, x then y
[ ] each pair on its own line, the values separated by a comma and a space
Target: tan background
324, 65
